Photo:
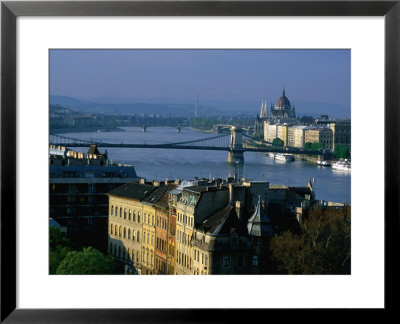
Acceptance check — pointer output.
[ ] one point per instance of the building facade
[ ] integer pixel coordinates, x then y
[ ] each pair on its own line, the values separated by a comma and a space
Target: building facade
322, 135
296, 136
341, 132
283, 109
200, 227
78, 186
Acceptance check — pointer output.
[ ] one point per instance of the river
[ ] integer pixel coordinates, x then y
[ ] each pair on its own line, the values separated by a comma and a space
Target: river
329, 185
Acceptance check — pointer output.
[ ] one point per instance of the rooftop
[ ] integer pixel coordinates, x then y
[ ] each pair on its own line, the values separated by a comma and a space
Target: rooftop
133, 190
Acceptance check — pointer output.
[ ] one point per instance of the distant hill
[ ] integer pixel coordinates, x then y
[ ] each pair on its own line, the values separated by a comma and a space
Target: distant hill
114, 105
133, 107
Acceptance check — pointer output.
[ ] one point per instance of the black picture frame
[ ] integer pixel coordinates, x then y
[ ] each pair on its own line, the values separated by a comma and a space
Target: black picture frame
10, 10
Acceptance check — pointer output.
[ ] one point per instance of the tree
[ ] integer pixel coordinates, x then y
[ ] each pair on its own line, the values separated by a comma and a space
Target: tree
316, 146
342, 151
278, 142
87, 261
59, 248
307, 146
323, 247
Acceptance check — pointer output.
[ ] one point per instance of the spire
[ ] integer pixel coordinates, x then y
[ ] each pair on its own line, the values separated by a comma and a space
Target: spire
259, 224
283, 92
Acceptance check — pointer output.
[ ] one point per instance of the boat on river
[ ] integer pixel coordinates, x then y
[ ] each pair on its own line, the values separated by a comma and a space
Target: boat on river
284, 157
342, 165
324, 163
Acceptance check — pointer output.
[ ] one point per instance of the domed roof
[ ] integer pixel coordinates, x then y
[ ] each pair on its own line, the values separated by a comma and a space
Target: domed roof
283, 102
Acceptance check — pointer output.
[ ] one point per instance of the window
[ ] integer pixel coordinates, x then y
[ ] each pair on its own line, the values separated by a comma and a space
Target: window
138, 236
152, 220
124, 213
120, 231
255, 260
148, 238
138, 217
111, 228
130, 213
129, 234
124, 232
133, 235
134, 217
227, 261
240, 260
120, 212
112, 210
116, 211
152, 239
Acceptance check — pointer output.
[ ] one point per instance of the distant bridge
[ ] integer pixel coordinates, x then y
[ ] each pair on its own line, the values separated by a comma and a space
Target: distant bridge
236, 143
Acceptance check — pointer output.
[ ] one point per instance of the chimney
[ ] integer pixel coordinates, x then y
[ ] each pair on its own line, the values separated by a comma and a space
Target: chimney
177, 182
239, 209
142, 180
156, 183
166, 182
230, 194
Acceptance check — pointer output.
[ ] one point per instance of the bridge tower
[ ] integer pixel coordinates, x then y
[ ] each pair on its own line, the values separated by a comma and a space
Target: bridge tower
235, 154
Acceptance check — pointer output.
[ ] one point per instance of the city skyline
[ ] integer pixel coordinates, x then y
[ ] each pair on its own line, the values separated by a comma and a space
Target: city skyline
247, 77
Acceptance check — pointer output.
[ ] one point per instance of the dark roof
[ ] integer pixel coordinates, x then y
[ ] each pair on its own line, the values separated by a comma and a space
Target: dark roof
133, 190
211, 223
223, 222
163, 200
259, 224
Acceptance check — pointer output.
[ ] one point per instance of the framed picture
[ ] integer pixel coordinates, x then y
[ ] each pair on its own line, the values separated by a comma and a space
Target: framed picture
184, 24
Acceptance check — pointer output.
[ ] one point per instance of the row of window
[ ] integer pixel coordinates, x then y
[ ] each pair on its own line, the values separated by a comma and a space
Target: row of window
162, 222
125, 233
184, 219
120, 252
161, 244
129, 215
148, 237
183, 237
204, 257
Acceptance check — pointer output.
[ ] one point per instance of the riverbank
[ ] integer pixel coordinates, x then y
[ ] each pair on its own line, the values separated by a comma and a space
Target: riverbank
305, 157
85, 130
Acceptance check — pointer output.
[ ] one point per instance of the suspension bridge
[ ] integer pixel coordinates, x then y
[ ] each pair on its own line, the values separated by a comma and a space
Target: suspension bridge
235, 143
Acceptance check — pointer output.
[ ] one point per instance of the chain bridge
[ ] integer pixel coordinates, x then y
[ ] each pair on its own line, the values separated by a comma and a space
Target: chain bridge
235, 143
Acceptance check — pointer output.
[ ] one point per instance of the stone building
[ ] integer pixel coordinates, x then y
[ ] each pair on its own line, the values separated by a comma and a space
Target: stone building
195, 204
322, 135
200, 227
283, 109
126, 239
270, 131
296, 136
161, 226
341, 133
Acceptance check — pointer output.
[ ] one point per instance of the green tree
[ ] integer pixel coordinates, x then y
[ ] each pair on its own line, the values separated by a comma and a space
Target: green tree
59, 247
278, 142
317, 146
87, 261
307, 146
342, 152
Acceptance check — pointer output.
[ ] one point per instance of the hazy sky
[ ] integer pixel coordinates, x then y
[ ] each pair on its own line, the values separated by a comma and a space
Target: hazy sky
308, 75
